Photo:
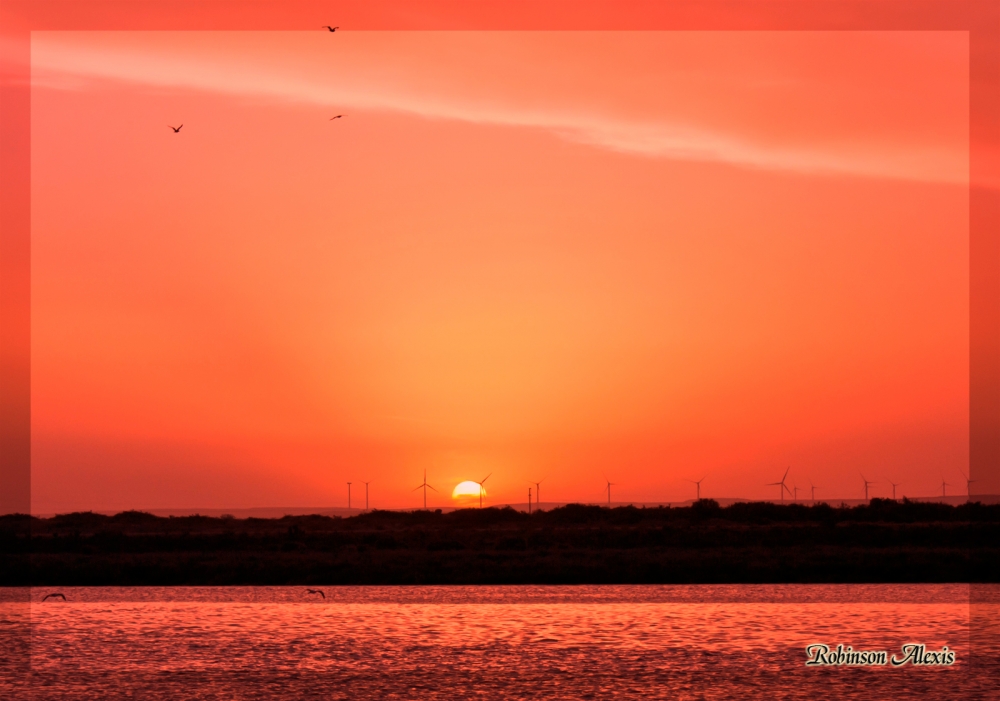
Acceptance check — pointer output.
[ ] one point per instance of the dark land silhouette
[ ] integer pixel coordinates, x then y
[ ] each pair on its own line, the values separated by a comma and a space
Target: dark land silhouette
750, 542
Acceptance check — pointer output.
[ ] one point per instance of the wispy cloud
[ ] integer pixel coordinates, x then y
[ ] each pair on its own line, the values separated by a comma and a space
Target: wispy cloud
60, 61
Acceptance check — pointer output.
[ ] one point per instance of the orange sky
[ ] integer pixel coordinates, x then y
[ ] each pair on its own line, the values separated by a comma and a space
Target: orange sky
650, 255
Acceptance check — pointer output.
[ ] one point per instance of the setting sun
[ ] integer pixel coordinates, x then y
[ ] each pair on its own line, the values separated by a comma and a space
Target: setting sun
464, 490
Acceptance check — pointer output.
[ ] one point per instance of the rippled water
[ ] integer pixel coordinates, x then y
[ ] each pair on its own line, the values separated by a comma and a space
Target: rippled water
594, 642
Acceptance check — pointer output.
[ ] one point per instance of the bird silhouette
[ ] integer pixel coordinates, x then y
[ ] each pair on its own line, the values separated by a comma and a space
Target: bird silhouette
316, 591
54, 595
176, 129
337, 117
327, 26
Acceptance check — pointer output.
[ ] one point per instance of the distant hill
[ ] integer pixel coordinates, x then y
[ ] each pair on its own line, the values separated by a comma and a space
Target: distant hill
343, 512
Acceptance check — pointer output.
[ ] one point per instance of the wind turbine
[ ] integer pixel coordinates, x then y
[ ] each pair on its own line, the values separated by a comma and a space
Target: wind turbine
813, 487
944, 487
698, 483
609, 489
366, 495
482, 489
867, 484
894, 485
795, 496
529, 500
783, 487
348, 495
538, 491
968, 483
425, 487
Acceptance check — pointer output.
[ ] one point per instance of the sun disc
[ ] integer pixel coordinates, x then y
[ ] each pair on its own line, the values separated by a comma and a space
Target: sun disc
465, 489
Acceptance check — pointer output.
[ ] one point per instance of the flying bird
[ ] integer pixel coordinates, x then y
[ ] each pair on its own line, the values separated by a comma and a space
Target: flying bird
327, 26
54, 595
337, 117
316, 591
176, 129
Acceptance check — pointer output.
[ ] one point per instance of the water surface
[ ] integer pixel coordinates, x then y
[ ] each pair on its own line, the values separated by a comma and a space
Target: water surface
562, 642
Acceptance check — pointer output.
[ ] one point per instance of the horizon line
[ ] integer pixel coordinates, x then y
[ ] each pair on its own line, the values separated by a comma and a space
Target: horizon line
213, 512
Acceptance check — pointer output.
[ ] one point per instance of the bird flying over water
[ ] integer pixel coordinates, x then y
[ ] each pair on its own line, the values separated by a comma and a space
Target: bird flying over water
316, 591
54, 595
327, 26
337, 117
176, 129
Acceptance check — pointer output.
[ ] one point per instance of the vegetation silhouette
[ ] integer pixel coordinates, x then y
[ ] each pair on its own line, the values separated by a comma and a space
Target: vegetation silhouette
751, 542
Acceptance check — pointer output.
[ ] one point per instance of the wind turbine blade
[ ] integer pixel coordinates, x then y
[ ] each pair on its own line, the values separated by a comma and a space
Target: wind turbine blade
786, 473
416, 488
485, 478
430, 487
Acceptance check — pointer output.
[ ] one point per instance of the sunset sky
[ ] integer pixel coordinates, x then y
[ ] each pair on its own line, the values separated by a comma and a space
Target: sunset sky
653, 256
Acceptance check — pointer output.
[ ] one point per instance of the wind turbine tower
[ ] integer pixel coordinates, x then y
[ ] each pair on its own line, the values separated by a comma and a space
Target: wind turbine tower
366, 495
813, 487
868, 483
781, 485
944, 487
968, 483
894, 485
425, 487
698, 487
482, 489
348, 495
609, 489
538, 491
